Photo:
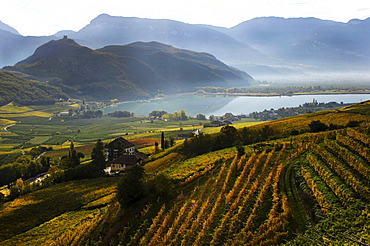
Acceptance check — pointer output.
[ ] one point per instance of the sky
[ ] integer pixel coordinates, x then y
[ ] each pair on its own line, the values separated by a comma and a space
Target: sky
46, 17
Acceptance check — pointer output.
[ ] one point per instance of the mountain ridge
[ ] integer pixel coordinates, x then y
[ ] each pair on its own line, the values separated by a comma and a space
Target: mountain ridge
136, 71
260, 46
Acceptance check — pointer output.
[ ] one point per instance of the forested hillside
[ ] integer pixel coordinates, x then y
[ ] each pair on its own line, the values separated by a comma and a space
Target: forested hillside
26, 92
130, 72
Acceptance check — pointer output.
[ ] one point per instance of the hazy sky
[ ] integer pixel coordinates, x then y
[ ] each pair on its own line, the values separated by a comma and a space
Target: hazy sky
46, 17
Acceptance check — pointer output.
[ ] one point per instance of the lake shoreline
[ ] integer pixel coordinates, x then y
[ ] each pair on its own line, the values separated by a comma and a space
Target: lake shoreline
221, 103
247, 95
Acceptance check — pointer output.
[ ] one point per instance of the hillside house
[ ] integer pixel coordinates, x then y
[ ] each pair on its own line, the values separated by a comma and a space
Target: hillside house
118, 147
125, 162
121, 154
218, 123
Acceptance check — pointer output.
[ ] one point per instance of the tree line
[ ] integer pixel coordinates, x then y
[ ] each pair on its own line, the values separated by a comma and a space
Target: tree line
59, 170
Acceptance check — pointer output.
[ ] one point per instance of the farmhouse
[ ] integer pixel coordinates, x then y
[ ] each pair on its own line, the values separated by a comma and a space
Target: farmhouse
118, 147
218, 123
124, 162
121, 154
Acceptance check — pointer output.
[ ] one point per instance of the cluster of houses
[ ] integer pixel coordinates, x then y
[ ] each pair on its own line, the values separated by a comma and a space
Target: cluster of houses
121, 155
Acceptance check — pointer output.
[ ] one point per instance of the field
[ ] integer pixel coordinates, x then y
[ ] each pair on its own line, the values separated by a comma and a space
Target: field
59, 210
32, 126
306, 188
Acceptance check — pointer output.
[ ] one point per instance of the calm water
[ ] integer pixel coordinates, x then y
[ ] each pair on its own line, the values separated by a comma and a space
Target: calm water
219, 105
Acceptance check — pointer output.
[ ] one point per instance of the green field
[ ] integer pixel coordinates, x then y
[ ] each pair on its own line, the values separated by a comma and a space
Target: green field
306, 188
39, 125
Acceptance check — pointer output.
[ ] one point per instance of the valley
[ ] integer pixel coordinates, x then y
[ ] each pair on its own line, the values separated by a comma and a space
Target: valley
280, 187
138, 131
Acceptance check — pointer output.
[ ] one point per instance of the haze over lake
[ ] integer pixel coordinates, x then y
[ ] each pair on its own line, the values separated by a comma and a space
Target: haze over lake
219, 105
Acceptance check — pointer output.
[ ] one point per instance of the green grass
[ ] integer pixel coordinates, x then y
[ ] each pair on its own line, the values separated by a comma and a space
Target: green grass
11, 108
38, 140
35, 126
33, 209
237, 125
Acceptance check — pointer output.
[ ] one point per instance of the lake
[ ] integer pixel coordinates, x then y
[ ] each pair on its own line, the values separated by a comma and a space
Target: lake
219, 104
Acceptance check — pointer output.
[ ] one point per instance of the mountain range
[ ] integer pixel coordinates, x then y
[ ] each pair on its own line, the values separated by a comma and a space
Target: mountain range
126, 72
261, 46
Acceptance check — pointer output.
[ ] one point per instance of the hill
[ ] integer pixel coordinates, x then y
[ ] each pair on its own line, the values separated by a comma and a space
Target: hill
26, 92
263, 47
284, 191
116, 30
130, 72
277, 187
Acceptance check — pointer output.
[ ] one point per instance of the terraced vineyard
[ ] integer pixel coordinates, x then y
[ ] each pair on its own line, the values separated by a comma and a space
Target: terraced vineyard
64, 214
285, 189
267, 197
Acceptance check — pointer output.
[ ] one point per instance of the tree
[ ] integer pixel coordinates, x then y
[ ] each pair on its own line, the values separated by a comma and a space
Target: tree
72, 160
266, 132
239, 148
183, 115
164, 186
172, 141
98, 156
176, 115
162, 141
73, 157
228, 130
156, 149
229, 116
317, 126
201, 117
131, 187
2, 198
226, 137
157, 113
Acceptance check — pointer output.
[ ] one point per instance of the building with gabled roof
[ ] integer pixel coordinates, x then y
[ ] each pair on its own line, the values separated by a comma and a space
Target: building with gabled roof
121, 154
124, 162
118, 147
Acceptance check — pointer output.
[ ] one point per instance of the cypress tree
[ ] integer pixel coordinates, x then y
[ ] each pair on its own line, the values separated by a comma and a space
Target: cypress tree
73, 158
162, 142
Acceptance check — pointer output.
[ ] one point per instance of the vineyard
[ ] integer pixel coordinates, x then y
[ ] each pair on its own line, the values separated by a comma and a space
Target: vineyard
269, 196
309, 188
63, 214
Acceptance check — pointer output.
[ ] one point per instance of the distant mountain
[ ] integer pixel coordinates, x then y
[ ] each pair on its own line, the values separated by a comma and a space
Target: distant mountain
8, 28
272, 34
267, 47
307, 40
114, 30
342, 43
129, 72
26, 92
14, 47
